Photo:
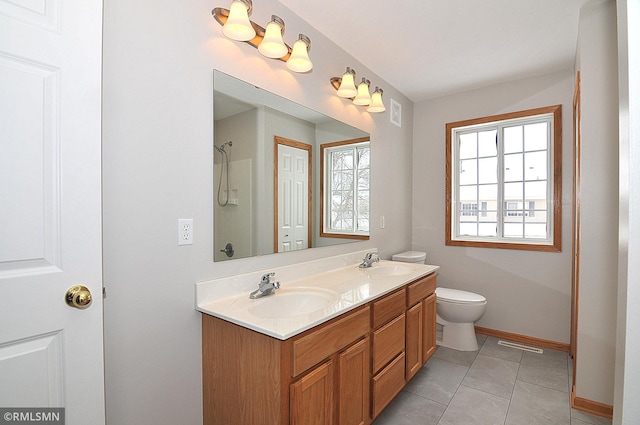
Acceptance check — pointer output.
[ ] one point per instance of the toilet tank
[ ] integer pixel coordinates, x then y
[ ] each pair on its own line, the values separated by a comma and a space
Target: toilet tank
410, 257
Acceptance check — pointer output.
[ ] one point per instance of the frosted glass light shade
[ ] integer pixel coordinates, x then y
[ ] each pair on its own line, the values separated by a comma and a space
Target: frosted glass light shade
238, 27
347, 87
363, 98
376, 101
272, 45
299, 60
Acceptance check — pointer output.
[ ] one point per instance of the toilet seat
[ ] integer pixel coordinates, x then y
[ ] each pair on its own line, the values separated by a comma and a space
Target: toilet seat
456, 296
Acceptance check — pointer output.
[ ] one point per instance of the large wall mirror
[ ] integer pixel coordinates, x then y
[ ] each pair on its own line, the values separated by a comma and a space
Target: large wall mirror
285, 177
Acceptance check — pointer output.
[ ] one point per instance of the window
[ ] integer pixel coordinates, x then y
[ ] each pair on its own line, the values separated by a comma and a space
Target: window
345, 189
510, 166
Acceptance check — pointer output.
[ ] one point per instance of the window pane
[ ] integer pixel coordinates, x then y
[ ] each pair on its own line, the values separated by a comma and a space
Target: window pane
488, 229
487, 145
468, 146
365, 157
468, 171
363, 179
513, 230
535, 136
488, 193
512, 139
468, 229
535, 190
535, 164
488, 170
513, 191
535, 230
513, 167
468, 194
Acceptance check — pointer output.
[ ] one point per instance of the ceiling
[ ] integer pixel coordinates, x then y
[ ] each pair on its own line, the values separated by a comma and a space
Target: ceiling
431, 48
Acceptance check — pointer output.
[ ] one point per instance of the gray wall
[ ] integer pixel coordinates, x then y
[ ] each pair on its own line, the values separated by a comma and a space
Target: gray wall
528, 292
598, 252
157, 149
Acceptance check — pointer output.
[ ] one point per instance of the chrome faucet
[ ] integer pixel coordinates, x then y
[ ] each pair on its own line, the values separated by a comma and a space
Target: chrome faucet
369, 259
265, 287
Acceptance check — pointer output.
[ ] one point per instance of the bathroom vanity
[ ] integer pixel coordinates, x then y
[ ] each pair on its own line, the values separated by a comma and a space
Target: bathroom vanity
340, 362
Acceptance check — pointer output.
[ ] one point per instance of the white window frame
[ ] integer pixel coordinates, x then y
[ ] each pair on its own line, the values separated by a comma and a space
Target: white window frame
552, 242
327, 230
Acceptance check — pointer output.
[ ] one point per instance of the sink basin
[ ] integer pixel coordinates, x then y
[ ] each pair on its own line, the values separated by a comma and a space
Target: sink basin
292, 302
389, 270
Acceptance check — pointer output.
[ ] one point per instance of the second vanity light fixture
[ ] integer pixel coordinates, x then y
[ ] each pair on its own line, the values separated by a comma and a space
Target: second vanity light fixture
269, 42
359, 95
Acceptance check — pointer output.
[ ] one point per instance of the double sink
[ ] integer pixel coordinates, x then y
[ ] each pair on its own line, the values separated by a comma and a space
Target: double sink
302, 301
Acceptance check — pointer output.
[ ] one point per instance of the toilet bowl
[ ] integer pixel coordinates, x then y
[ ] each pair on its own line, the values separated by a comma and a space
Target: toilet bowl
456, 311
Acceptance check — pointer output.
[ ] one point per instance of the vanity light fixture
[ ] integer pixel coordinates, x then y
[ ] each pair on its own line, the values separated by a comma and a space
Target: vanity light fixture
360, 96
346, 85
237, 26
299, 60
376, 101
363, 98
272, 45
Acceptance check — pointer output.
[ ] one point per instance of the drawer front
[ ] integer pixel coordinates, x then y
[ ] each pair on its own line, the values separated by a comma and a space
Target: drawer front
388, 307
387, 384
312, 348
388, 342
421, 289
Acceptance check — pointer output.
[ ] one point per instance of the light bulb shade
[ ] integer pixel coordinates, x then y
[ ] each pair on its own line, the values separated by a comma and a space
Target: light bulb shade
238, 27
376, 101
347, 87
363, 98
272, 45
299, 60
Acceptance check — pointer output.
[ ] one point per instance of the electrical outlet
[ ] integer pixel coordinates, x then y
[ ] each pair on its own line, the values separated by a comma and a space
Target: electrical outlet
185, 231
382, 222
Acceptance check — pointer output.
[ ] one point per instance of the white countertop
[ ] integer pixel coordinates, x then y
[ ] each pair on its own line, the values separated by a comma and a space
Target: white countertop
333, 293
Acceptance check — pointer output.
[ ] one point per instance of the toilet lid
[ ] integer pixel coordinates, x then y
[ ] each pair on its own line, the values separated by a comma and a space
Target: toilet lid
458, 296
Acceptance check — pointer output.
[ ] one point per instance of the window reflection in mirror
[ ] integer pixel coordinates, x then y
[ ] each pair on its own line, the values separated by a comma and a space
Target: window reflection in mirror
252, 128
346, 172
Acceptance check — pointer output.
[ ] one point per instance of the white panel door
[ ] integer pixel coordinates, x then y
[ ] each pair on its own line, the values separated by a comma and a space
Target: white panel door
51, 354
293, 198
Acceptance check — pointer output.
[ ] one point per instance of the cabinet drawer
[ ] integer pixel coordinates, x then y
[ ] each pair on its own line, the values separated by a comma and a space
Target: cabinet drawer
387, 384
388, 307
388, 342
312, 348
421, 289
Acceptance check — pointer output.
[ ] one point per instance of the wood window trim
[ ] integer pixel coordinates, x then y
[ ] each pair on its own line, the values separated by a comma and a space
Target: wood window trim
556, 246
322, 190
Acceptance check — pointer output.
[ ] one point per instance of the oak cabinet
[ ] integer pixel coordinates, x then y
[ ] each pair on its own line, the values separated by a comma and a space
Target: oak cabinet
414, 340
429, 327
342, 372
421, 324
353, 389
388, 353
311, 397
252, 378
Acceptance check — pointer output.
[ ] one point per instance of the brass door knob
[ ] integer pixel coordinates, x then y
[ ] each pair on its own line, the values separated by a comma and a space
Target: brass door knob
78, 296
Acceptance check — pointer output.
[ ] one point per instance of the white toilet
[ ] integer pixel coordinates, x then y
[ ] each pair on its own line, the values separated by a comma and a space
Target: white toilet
456, 311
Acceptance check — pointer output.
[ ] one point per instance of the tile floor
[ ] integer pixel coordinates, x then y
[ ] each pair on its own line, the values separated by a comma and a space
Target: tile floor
494, 385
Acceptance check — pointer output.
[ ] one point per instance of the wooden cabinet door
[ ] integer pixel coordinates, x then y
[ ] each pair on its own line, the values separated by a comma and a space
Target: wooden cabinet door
311, 397
428, 327
353, 392
414, 340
